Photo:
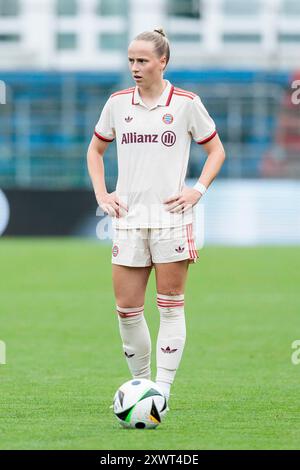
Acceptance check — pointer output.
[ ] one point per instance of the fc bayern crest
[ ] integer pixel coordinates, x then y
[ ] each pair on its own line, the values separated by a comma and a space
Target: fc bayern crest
168, 118
115, 250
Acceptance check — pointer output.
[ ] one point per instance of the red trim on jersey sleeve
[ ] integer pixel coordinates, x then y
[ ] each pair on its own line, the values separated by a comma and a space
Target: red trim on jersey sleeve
122, 92
184, 94
201, 142
102, 138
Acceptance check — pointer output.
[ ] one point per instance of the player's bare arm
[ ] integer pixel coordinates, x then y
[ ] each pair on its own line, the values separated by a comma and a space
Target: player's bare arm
109, 202
190, 196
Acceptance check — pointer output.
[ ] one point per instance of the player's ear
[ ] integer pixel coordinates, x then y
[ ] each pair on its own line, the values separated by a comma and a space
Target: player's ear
163, 62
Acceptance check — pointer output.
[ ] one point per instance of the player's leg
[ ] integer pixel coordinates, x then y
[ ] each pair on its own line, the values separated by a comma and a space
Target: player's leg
129, 286
170, 283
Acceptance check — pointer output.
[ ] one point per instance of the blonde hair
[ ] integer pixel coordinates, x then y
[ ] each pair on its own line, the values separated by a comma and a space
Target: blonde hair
160, 41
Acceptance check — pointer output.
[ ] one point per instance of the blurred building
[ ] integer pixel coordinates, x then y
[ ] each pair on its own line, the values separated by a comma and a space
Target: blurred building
61, 59
93, 34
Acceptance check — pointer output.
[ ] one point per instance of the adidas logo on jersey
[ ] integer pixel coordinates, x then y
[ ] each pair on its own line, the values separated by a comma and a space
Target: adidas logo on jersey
128, 119
180, 249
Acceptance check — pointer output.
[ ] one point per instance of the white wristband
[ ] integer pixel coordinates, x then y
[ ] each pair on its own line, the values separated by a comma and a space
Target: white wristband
200, 187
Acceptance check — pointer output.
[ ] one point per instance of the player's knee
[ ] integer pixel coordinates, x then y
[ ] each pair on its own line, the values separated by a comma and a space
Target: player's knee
128, 302
171, 291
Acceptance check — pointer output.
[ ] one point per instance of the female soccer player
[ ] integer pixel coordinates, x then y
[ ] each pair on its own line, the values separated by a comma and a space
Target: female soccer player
152, 210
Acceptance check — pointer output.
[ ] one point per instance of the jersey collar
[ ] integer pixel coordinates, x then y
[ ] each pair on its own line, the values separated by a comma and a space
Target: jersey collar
164, 99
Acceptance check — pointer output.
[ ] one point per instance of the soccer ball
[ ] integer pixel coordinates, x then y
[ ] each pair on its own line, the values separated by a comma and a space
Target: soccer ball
139, 403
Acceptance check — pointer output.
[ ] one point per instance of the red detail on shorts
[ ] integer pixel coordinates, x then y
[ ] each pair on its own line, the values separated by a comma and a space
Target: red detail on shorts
191, 243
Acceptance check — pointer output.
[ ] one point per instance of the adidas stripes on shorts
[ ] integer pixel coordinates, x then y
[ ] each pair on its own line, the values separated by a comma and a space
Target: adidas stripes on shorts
138, 247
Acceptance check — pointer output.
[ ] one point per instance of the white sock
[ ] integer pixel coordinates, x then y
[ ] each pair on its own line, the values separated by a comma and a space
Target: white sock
171, 337
165, 388
136, 341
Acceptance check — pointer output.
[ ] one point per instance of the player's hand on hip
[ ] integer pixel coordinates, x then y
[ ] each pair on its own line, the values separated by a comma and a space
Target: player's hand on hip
112, 205
183, 201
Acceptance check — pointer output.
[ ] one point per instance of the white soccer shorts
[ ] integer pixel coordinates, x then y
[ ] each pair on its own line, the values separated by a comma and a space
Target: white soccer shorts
138, 247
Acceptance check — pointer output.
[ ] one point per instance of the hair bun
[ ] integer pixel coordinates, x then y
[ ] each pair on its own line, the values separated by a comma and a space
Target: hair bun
160, 31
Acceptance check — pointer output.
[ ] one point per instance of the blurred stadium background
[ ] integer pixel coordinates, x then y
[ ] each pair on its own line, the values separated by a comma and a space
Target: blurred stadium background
60, 60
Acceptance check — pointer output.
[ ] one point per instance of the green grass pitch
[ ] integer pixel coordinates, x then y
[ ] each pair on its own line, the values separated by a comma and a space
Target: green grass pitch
236, 387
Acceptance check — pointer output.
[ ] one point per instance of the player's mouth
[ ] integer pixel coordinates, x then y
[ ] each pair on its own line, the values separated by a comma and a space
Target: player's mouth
137, 77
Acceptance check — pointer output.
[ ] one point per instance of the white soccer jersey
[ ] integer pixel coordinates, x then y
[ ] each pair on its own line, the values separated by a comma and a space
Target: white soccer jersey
153, 147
